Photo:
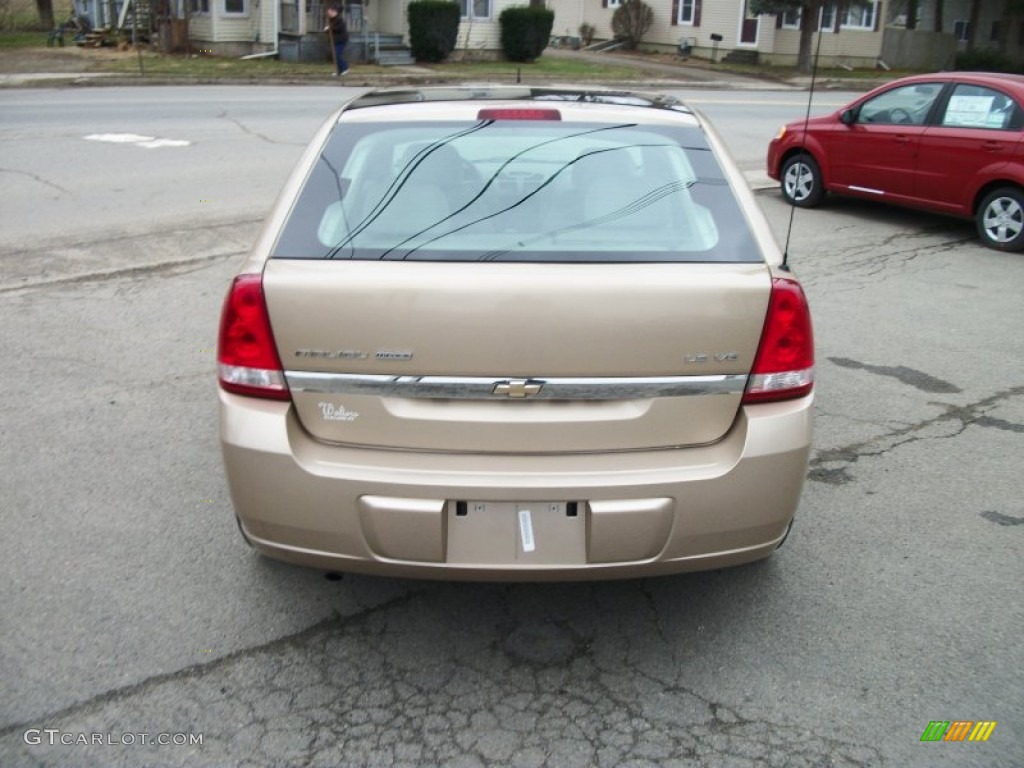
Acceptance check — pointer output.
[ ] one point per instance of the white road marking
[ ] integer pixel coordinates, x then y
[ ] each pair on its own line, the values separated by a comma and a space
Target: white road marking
119, 138
149, 142
157, 143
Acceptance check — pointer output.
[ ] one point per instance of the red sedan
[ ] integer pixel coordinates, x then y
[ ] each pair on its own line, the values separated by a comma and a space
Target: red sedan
949, 142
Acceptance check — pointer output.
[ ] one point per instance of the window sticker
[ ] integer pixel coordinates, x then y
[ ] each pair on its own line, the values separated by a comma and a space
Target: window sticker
972, 112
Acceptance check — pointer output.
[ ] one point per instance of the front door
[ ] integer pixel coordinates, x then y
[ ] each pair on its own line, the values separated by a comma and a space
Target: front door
390, 19
748, 24
878, 155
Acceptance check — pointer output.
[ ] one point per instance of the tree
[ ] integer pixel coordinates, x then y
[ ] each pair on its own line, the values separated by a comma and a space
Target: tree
45, 8
631, 21
972, 24
911, 14
809, 11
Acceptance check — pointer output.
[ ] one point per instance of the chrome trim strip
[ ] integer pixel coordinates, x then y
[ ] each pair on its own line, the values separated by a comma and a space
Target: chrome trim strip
482, 388
866, 189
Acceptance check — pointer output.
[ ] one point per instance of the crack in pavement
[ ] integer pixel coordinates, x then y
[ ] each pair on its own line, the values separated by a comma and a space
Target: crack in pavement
105, 241
68, 261
918, 379
961, 416
178, 266
40, 179
435, 678
199, 670
832, 465
869, 260
1000, 519
256, 134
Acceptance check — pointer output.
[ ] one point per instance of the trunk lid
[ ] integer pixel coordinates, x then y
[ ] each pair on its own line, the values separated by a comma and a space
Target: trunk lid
516, 357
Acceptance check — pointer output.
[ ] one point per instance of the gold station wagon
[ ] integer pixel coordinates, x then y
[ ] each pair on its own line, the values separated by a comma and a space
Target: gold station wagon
515, 333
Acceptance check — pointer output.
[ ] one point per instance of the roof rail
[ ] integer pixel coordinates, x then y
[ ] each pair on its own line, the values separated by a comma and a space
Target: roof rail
386, 96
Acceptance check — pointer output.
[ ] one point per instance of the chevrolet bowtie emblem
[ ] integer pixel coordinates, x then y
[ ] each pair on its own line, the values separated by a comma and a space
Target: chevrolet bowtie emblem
518, 388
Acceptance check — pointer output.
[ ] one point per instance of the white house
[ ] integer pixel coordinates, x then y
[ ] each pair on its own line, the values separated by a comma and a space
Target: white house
856, 33
252, 26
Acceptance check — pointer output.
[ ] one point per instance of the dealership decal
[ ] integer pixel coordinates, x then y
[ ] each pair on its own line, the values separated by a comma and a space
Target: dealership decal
332, 412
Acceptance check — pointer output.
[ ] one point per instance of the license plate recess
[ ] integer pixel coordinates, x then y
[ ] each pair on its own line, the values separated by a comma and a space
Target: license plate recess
516, 532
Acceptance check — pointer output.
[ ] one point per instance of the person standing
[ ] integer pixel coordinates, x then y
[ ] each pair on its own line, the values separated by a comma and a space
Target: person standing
338, 30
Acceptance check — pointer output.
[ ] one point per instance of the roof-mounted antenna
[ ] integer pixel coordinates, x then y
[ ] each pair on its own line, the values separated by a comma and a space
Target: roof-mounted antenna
803, 137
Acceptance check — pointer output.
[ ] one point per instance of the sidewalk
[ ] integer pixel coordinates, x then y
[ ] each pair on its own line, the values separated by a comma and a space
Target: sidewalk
653, 72
682, 72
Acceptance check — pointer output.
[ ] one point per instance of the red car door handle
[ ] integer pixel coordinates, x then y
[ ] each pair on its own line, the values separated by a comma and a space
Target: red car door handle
901, 139
991, 146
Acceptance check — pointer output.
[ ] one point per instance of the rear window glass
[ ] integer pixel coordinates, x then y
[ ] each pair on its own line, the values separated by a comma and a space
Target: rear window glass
547, 191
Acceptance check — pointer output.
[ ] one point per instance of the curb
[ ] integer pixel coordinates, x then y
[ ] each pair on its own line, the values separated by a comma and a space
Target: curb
112, 79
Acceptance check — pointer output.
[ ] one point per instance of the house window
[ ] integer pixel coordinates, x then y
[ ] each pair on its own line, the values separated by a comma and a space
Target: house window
686, 8
961, 30
1020, 34
827, 17
791, 19
994, 36
236, 8
611, 3
481, 9
199, 6
860, 15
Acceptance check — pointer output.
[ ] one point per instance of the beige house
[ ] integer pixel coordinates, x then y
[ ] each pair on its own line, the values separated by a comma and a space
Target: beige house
232, 27
293, 27
854, 33
851, 31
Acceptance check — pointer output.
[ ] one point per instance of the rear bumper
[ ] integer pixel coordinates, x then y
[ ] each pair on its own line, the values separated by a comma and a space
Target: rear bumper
396, 513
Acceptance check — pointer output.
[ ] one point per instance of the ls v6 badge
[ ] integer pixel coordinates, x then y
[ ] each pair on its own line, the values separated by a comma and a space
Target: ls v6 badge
707, 357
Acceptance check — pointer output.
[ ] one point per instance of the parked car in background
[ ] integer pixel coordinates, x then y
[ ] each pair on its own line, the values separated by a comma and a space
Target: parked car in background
949, 142
516, 333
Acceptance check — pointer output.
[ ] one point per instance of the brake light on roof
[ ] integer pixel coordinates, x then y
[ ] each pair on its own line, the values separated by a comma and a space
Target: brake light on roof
784, 366
518, 113
246, 354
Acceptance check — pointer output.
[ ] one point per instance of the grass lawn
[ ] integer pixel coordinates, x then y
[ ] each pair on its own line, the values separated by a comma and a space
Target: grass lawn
22, 39
25, 51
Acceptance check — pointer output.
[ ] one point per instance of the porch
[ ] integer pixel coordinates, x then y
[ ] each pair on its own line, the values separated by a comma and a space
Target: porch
376, 32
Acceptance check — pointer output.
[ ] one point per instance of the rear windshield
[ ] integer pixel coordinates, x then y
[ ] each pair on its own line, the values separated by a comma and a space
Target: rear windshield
540, 191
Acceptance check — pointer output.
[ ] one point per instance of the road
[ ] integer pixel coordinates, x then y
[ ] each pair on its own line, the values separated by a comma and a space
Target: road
131, 605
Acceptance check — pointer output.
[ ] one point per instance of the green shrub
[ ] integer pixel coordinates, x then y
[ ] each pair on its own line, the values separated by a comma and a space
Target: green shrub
525, 31
587, 32
631, 21
983, 60
433, 28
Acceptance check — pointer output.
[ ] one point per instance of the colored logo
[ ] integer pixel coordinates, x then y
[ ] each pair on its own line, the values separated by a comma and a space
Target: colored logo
958, 730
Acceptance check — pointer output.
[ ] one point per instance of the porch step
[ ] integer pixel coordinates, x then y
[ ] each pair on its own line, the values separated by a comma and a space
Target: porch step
382, 38
604, 45
740, 56
395, 57
391, 51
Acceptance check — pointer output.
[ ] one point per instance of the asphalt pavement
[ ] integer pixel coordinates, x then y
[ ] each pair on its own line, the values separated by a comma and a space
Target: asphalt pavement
132, 606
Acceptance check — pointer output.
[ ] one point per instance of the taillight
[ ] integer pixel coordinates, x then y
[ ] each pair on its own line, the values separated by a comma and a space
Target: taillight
246, 354
518, 113
784, 366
